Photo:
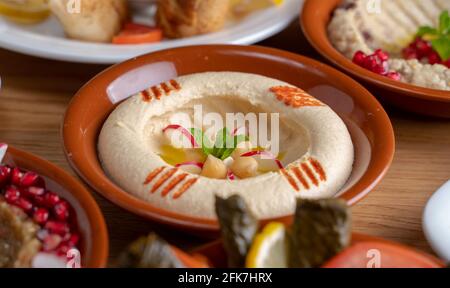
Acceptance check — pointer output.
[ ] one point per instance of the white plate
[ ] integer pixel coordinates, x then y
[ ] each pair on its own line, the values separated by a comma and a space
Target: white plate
47, 39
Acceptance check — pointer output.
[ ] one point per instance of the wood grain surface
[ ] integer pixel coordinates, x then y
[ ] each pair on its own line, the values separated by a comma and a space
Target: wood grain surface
35, 93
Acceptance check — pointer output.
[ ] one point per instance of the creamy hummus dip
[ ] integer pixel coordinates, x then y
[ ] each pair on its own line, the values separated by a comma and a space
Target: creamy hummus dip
316, 145
362, 25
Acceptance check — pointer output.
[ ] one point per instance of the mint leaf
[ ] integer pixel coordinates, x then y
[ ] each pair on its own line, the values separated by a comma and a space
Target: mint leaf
444, 23
442, 47
425, 30
202, 140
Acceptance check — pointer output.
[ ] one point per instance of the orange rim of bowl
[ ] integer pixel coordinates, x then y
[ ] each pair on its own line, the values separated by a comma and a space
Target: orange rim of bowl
98, 258
315, 13
96, 178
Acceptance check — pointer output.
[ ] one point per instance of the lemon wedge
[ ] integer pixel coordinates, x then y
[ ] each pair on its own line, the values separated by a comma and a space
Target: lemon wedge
270, 248
244, 7
25, 11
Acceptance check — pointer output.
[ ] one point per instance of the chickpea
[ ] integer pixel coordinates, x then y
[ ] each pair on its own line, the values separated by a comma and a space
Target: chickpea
194, 155
214, 168
245, 167
242, 148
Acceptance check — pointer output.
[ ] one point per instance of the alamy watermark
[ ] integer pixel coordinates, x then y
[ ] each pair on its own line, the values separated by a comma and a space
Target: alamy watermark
257, 126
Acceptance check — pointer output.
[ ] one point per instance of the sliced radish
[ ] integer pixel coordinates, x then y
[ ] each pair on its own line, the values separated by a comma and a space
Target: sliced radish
266, 160
180, 137
47, 260
240, 131
231, 176
191, 167
3, 148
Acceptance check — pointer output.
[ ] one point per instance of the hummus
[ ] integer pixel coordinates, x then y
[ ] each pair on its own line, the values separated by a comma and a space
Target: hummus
316, 145
359, 25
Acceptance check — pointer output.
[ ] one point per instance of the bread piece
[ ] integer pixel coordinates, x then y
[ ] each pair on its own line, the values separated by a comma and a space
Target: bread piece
185, 18
98, 21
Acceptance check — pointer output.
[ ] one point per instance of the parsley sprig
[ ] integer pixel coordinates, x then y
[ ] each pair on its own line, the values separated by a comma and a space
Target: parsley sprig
439, 37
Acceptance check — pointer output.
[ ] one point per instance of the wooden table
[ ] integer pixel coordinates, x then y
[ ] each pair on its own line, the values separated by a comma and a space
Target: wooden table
36, 92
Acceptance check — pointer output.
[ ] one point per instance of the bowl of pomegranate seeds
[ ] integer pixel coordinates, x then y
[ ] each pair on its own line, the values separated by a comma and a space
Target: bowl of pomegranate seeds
47, 218
404, 61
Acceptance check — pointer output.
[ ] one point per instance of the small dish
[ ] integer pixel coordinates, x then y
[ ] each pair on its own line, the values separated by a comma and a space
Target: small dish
94, 235
364, 252
47, 39
314, 20
369, 125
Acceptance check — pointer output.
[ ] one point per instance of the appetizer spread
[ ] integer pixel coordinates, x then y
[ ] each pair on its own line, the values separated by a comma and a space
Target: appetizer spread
405, 40
114, 21
319, 237
154, 148
37, 227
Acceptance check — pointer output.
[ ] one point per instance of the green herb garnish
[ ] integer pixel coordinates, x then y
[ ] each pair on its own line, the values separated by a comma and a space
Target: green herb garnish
224, 145
439, 37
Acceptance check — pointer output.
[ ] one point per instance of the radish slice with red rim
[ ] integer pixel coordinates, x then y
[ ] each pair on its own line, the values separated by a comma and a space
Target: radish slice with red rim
231, 176
184, 139
191, 167
3, 148
266, 160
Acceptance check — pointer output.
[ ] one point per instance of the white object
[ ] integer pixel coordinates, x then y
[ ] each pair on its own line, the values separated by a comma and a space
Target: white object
436, 222
3, 148
47, 39
46, 260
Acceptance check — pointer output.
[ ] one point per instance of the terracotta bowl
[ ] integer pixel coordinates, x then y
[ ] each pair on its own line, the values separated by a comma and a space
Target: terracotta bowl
94, 241
369, 125
314, 21
362, 249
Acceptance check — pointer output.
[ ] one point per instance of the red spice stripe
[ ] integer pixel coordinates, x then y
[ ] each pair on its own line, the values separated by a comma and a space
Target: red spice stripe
153, 175
318, 168
156, 92
298, 173
163, 179
310, 174
185, 187
146, 97
175, 84
173, 183
166, 88
290, 179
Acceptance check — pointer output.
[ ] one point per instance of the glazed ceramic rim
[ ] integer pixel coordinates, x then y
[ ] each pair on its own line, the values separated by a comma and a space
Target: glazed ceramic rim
98, 258
96, 178
318, 38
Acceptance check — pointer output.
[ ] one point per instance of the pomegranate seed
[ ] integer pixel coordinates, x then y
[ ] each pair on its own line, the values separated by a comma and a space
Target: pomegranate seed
394, 76
410, 53
29, 179
59, 228
12, 195
51, 242
51, 199
33, 191
5, 174
41, 215
434, 58
447, 63
63, 249
24, 204
359, 57
73, 240
39, 201
422, 47
383, 56
16, 176
61, 210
